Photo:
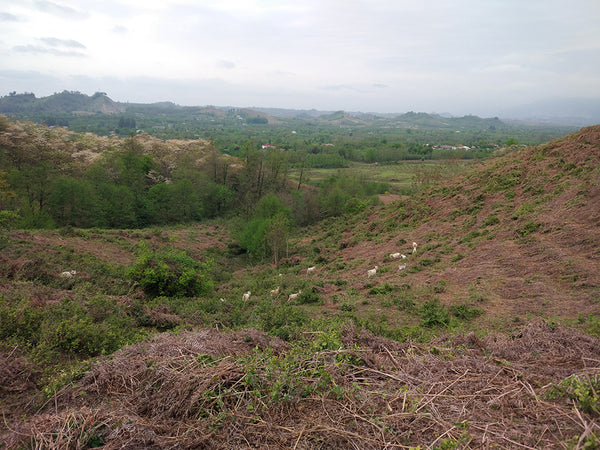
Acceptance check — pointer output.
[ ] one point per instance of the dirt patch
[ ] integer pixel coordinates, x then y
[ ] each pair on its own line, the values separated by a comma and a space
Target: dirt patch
386, 199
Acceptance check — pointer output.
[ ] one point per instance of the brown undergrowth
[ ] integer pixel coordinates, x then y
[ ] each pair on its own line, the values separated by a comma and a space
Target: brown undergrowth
209, 389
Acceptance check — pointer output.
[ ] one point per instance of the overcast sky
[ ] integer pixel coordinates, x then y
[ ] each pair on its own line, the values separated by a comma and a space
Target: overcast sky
459, 56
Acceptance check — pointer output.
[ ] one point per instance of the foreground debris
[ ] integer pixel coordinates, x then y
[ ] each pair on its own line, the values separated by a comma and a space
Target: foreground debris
244, 389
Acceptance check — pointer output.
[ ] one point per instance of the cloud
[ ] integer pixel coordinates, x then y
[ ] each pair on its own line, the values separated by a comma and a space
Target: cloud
55, 42
223, 64
59, 10
339, 87
375, 55
38, 49
120, 29
6, 17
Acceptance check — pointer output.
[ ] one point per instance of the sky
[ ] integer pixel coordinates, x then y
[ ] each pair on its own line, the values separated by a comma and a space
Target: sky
460, 57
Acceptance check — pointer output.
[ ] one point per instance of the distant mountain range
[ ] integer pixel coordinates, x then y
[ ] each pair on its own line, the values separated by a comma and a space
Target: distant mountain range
568, 111
572, 112
63, 102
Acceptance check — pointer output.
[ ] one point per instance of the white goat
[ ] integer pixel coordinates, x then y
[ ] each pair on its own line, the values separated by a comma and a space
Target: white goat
311, 269
402, 267
68, 274
246, 296
395, 255
275, 291
372, 272
414, 247
293, 297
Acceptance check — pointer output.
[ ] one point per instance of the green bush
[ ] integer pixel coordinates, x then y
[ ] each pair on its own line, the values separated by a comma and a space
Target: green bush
583, 390
19, 322
170, 274
465, 312
282, 321
434, 314
80, 328
309, 296
528, 228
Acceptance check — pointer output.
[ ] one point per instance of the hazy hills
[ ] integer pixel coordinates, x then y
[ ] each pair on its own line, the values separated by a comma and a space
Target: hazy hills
566, 112
64, 102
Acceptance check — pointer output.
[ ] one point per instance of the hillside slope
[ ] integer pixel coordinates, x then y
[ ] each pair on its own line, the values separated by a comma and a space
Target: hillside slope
519, 235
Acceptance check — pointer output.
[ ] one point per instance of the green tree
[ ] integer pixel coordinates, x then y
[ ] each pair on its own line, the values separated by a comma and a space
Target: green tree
264, 234
217, 199
118, 206
75, 202
277, 236
187, 202
251, 177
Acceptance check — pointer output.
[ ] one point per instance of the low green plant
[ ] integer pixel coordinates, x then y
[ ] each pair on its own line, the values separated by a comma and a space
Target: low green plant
528, 228
492, 219
433, 314
440, 287
584, 390
405, 303
465, 312
310, 295
457, 257
281, 320
170, 273
385, 289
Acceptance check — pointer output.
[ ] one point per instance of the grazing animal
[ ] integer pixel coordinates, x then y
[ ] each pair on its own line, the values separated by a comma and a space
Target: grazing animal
414, 247
275, 291
395, 255
311, 269
293, 297
246, 296
372, 272
68, 274
402, 266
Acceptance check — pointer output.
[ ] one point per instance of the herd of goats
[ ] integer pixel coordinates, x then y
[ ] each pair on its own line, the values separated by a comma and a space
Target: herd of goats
310, 270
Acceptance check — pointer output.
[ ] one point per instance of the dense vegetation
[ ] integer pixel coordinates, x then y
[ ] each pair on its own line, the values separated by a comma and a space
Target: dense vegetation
51, 177
333, 138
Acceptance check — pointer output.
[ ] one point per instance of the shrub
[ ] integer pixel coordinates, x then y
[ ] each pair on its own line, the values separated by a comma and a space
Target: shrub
528, 228
457, 257
282, 321
465, 312
492, 219
170, 273
433, 314
583, 391
309, 296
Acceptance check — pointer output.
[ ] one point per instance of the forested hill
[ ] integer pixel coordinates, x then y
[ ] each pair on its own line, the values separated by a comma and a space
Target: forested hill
64, 102
27, 105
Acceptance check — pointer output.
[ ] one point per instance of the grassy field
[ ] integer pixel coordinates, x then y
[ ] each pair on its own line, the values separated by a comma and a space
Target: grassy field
400, 177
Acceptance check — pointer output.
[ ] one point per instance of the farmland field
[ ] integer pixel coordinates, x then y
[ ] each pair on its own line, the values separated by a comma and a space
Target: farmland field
400, 177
